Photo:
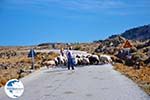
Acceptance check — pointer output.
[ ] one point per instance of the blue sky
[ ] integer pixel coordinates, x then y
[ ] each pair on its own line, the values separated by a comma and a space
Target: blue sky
30, 22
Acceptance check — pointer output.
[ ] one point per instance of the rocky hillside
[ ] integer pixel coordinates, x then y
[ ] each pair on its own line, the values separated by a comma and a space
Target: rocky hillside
135, 65
138, 33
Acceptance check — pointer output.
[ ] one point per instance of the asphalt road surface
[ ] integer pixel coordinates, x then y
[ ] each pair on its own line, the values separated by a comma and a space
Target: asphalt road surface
97, 82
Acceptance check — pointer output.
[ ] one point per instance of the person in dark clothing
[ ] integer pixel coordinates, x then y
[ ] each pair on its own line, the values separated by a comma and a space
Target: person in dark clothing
70, 59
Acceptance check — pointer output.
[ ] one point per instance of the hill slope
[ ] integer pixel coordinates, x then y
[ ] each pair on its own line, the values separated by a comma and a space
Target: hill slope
138, 33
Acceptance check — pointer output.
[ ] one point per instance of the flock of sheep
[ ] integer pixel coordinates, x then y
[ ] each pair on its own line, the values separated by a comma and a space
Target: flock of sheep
79, 59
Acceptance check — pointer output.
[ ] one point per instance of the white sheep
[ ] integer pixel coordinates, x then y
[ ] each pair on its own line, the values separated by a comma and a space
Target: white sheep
105, 59
56, 61
85, 61
50, 63
94, 59
62, 60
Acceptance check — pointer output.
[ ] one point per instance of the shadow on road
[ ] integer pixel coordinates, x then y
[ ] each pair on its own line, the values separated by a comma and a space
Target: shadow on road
64, 68
56, 70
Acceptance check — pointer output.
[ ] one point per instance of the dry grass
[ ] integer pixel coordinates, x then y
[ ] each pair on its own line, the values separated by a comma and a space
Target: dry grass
141, 76
15, 59
6, 74
10, 67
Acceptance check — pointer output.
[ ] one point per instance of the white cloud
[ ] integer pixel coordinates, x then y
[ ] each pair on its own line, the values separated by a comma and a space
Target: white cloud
71, 4
85, 6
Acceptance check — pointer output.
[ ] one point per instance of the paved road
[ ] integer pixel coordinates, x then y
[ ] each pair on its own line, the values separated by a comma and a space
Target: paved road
85, 83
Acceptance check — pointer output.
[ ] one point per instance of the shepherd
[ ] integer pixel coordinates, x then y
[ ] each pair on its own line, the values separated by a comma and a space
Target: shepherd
70, 58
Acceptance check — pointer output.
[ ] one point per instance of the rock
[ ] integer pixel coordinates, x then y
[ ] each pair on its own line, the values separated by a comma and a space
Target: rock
109, 45
133, 49
147, 61
138, 59
117, 60
37, 66
129, 62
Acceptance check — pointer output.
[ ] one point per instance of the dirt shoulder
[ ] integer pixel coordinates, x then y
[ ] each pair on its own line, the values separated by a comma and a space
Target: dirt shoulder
140, 76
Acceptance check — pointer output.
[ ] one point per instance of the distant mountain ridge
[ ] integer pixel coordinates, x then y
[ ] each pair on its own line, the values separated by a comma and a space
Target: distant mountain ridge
138, 33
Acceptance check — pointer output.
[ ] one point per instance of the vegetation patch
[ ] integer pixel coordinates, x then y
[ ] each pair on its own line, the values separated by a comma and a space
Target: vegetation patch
18, 66
140, 76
